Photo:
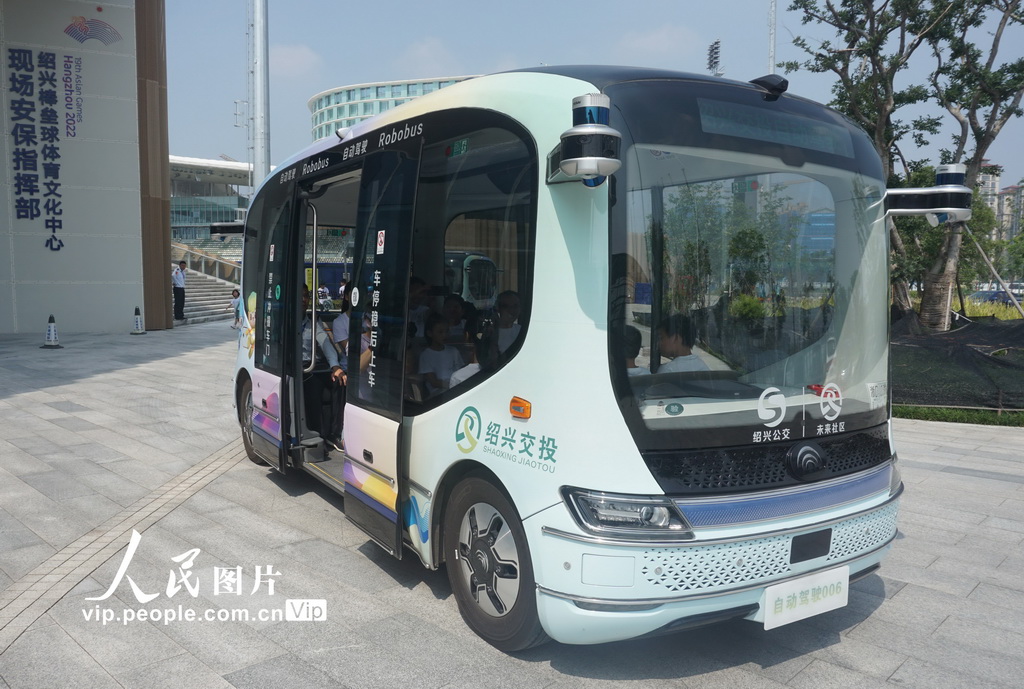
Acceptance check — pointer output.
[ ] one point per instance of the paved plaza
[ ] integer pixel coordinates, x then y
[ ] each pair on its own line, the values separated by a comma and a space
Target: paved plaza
118, 434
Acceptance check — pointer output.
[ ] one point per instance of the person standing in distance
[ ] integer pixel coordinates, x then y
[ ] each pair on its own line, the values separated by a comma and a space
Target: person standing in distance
178, 282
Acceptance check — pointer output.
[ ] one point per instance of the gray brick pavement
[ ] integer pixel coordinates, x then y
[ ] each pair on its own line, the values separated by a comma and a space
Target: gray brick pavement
118, 433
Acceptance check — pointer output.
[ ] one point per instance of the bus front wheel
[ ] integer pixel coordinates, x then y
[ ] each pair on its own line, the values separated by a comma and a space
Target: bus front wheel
245, 419
489, 566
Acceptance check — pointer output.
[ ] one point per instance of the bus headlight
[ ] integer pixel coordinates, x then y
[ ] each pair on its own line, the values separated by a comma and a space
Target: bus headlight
632, 516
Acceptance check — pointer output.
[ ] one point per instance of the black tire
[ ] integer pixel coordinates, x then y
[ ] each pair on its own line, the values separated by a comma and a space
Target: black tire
245, 421
489, 566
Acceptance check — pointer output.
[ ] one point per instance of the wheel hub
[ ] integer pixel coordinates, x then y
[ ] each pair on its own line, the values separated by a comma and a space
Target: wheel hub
490, 559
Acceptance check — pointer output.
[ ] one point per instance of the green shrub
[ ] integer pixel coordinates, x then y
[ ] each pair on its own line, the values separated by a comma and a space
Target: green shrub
979, 416
747, 308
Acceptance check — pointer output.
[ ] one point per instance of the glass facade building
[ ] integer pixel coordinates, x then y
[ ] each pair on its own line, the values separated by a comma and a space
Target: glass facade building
344, 106
204, 192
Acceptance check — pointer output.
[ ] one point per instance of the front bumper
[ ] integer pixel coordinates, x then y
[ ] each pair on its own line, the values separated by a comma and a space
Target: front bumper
592, 590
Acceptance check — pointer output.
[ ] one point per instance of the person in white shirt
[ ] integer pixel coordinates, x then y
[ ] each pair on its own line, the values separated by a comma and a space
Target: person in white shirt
631, 343
319, 418
676, 337
453, 312
419, 310
438, 361
236, 297
485, 353
178, 284
340, 326
508, 317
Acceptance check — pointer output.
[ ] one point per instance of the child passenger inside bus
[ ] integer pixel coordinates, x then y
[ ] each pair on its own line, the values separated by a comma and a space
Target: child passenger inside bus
454, 312
631, 344
676, 337
508, 318
484, 353
439, 360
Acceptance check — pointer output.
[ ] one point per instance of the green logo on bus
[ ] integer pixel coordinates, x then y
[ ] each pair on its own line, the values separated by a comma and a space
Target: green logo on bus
467, 430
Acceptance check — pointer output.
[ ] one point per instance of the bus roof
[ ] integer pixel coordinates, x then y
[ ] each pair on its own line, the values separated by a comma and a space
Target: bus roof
601, 76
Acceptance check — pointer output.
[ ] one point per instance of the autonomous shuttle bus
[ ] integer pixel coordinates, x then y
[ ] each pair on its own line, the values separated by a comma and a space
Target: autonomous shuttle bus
676, 403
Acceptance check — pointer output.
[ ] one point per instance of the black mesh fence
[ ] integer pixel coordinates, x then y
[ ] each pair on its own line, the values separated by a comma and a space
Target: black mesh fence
978, 365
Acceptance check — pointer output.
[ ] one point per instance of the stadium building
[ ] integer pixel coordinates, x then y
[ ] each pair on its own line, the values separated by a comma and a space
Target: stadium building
342, 107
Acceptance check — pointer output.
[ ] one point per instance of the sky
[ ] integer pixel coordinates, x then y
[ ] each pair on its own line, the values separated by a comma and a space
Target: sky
316, 45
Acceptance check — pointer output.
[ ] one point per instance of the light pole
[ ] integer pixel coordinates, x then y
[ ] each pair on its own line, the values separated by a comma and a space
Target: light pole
260, 131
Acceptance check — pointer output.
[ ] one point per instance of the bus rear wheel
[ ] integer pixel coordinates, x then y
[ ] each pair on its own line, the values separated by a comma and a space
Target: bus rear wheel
245, 420
489, 566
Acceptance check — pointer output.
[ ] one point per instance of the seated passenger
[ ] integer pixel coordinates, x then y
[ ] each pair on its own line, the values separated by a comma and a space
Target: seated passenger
631, 343
454, 312
419, 309
508, 319
438, 361
485, 353
676, 337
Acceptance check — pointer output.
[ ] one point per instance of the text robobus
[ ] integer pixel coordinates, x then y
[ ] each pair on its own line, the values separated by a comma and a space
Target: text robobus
679, 408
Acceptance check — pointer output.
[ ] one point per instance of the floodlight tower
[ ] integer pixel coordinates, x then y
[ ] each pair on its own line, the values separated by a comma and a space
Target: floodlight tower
714, 55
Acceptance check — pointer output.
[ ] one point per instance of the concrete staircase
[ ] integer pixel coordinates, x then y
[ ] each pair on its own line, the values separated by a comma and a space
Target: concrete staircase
206, 299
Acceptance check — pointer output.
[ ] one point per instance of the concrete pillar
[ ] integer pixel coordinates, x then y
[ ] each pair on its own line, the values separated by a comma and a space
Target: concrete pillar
153, 163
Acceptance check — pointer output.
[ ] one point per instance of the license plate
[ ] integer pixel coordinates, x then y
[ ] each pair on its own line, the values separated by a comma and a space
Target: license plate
805, 597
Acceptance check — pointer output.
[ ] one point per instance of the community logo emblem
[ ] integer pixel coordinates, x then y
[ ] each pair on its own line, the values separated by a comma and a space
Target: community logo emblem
82, 29
771, 407
831, 402
467, 430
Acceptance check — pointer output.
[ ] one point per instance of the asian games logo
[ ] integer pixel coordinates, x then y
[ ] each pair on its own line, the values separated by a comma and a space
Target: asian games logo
467, 430
82, 29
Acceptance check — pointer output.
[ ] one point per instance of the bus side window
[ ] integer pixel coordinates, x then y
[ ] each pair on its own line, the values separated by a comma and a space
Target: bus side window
474, 229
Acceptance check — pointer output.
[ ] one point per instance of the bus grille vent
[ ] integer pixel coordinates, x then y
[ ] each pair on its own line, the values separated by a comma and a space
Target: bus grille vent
740, 469
863, 533
724, 565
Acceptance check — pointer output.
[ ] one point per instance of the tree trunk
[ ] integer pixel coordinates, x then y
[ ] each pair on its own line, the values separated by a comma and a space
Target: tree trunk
938, 283
900, 289
935, 303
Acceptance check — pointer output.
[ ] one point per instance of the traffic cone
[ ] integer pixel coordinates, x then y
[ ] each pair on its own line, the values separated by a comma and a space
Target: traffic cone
139, 328
51, 335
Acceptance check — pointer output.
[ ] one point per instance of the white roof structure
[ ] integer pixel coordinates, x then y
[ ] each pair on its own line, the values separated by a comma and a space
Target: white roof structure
215, 171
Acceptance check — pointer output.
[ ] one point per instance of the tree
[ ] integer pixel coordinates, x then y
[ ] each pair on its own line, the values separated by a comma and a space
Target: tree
874, 45
981, 95
1015, 256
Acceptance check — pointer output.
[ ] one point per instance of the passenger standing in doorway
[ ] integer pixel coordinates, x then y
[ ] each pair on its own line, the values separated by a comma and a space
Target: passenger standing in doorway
178, 283
319, 418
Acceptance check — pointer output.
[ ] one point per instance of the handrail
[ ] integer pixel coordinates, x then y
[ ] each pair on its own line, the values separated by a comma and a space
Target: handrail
208, 264
316, 290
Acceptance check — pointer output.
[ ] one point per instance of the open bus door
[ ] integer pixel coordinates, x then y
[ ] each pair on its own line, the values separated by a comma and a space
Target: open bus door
377, 344
263, 404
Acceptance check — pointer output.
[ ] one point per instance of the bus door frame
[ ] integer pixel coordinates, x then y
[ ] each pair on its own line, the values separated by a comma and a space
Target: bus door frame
272, 420
374, 454
307, 213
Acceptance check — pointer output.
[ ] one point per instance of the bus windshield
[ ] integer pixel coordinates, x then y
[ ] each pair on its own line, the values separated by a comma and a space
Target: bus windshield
749, 263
